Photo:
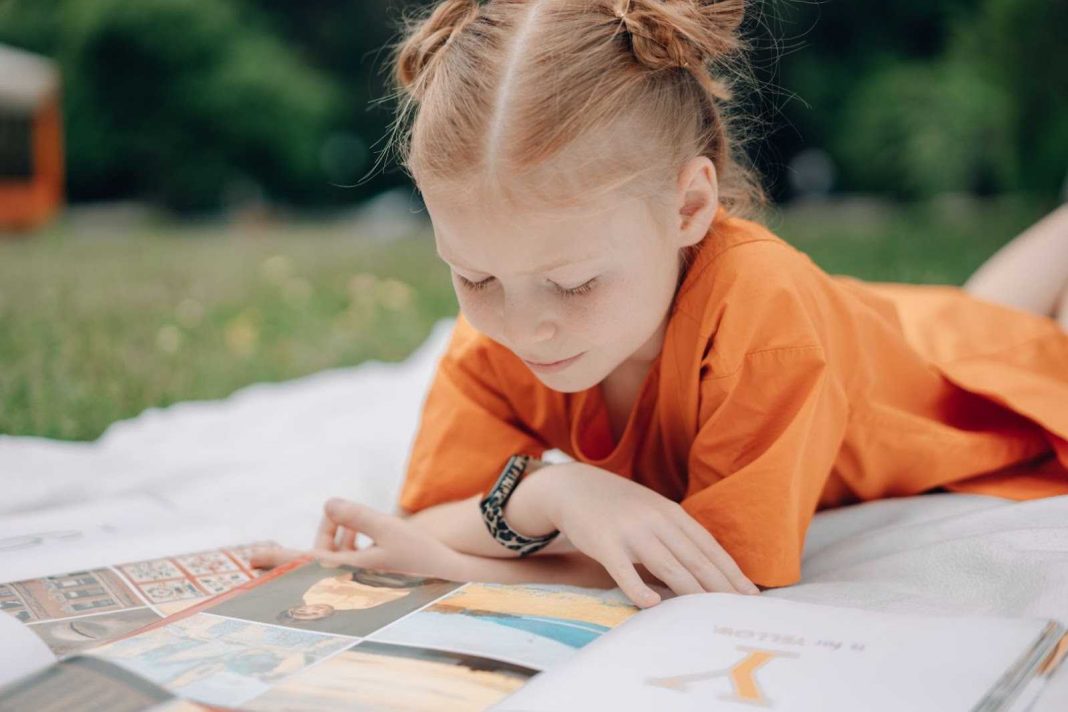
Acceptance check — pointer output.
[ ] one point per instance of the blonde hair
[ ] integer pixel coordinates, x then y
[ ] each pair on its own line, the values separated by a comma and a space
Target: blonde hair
547, 102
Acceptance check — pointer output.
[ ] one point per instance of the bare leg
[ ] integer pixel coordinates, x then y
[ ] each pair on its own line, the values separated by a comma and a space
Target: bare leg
1031, 271
1062, 310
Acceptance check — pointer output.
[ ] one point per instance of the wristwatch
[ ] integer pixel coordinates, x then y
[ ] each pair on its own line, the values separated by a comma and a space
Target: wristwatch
492, 507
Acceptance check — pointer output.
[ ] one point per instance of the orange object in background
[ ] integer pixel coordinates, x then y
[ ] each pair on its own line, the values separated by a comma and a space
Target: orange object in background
31, 140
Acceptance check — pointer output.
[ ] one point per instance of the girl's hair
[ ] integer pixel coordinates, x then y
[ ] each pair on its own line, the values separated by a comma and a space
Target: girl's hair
556, 102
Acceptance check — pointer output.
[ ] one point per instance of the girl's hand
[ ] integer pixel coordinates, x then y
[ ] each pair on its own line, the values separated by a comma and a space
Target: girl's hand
621, 523
398, 545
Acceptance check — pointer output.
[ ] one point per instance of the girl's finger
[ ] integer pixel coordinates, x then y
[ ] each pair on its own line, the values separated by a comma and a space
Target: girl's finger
331, 558
715, 551
268, 558
621, 569
660, 562
327, 532
372, 557
356, 516
348, 539
694, 559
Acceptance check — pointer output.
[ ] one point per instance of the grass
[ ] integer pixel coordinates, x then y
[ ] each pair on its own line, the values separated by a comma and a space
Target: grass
96, 328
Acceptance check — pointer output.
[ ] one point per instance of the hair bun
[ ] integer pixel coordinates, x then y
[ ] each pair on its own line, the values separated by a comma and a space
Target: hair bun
681, 33
426, 37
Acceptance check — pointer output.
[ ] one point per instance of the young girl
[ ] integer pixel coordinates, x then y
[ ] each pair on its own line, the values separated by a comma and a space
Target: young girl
713, 386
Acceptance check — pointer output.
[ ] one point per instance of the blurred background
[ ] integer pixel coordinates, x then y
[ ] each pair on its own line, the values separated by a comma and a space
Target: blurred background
190, 201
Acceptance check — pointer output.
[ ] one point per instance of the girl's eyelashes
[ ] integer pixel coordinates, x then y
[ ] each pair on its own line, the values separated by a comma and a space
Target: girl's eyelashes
581, 289
573, 292
473, 286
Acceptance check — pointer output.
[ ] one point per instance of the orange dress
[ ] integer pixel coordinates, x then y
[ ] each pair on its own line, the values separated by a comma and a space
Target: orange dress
779, 390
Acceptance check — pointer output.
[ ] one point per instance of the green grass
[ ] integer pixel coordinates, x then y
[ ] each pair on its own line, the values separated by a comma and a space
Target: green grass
94, 329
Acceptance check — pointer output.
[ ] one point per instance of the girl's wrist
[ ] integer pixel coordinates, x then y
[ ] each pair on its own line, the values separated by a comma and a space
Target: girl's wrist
529, 510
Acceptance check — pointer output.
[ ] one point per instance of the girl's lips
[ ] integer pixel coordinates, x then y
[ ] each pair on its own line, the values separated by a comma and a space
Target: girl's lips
554, 366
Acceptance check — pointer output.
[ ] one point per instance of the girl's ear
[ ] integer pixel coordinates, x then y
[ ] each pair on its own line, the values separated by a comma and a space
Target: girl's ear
698, 199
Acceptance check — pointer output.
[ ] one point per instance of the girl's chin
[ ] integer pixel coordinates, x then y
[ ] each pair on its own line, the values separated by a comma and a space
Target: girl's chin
567, 382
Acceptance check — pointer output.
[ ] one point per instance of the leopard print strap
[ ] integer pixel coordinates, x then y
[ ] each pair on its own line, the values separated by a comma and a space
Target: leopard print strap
492, 507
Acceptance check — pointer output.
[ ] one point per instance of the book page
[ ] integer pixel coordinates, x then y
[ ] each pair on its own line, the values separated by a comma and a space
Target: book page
21, 652
82, 683
74, 611
725, 651
315, 637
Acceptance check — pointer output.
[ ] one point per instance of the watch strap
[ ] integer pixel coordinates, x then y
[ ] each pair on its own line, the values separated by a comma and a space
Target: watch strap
492, 506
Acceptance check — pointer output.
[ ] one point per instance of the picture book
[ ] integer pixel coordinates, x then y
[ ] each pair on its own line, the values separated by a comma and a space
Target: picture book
314, 637
74, 611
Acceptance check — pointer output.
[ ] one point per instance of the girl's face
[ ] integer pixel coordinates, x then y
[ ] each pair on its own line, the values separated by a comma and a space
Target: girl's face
596, 285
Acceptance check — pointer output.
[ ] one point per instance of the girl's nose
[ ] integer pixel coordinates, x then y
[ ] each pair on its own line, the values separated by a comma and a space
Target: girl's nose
527, 337
526, 327
544, 331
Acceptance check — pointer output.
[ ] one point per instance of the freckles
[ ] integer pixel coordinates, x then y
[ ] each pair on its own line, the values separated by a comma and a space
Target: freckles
475, 310
585, 309
592, 315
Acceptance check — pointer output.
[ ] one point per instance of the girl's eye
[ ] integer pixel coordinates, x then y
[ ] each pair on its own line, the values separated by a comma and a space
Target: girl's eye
581, 289
574, 291
474, 286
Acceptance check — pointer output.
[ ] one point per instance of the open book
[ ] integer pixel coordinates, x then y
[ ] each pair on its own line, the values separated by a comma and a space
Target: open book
305, 636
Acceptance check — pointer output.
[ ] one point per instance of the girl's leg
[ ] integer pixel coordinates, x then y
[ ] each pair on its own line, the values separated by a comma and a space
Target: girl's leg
1031, 271
1061, 314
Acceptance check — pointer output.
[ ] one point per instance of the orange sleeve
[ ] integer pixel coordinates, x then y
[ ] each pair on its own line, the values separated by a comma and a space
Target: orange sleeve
468, 427
773, 410
759, 464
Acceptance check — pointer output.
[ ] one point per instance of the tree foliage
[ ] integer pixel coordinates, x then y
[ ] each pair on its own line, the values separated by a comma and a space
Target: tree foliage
188, 102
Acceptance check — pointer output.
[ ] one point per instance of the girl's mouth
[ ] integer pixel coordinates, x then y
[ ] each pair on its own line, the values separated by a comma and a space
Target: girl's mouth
553, 366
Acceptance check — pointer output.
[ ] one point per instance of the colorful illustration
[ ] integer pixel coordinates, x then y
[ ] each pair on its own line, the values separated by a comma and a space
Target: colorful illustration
376, 676
73, 611
533, 625
190, 577
71, 635
66, 595
343, 600
218, 660
573, 616
84, 683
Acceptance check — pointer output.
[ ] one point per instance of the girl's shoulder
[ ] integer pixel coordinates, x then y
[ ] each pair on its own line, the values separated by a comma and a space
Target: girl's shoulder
738, 253
748, 291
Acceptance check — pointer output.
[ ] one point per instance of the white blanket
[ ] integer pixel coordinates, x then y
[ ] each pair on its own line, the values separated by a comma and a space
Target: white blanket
259, 464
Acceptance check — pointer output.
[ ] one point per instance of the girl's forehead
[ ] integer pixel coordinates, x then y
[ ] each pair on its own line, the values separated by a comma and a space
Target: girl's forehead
481, 238
521, 248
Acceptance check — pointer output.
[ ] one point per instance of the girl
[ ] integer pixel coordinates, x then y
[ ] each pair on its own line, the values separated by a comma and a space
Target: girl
714, 387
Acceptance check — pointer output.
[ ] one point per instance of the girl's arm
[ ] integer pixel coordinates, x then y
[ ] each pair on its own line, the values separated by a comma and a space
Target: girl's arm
634, 534
573, 568
619, 523
459, 524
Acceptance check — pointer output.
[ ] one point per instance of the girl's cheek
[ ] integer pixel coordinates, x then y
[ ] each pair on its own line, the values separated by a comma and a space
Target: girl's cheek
479, 311
587, 320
